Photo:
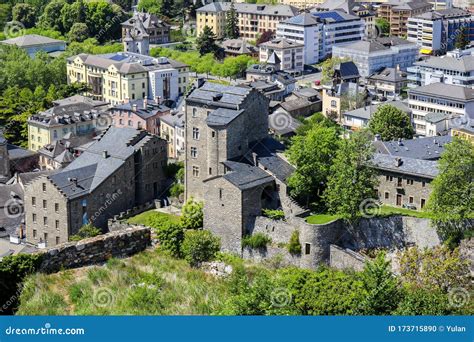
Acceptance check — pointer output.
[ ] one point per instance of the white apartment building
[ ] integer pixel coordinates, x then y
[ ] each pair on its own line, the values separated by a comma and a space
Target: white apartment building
436, 31
286, 55
306, 30
435, 105
453, 69
373, 56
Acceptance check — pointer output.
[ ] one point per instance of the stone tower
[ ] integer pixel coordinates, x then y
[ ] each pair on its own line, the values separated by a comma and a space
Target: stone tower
4, 159
136, 38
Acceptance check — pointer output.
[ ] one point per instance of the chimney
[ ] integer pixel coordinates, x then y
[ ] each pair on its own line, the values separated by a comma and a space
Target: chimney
145, 103
398, 67
127, 100
199, 82
398, 162
158, 100
73, 180
105, 154
134, 107
377, 137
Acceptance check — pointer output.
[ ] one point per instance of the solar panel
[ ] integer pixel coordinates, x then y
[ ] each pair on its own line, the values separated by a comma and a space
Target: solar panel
329, 15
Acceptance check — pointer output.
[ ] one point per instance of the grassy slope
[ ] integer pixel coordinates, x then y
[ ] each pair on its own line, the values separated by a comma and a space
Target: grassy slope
153, 219
147, 283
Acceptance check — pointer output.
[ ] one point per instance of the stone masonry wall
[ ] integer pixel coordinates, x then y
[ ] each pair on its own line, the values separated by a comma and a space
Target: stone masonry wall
96, 250
341, 258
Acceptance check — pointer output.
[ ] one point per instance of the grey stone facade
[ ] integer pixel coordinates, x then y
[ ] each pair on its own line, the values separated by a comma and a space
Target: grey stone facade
123, 169
4, 159
96, 250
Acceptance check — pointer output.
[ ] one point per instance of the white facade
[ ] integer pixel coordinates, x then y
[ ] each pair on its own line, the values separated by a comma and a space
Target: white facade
425, 33
309, 35
341, 33
163, 84
290, 54
453, 101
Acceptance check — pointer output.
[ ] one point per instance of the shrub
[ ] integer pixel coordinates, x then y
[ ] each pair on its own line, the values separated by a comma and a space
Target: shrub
257, 240
86, 231
199, 246
176, 190
171, 237
192, 215
274, 214
422, 301
294, 246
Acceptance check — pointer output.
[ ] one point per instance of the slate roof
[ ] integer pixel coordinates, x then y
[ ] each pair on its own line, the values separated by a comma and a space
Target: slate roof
219, 94
391, 75
429, 148
266, 151
150, 21
366, 46
151, 109
28, 177
17, 152
239, 46
409, 166
303, 19
367, 111
407, 5
449, 13
445, 91
281, 10
9, 223
435, 117
347, 70
91, 168
222, 116
462, 64
334, 16
31, 40
281, 43
245, 176
393, 41
173, 119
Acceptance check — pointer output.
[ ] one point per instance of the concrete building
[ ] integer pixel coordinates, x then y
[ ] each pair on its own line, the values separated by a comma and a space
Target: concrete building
172, 129
122, 169
359, 118
121, 76
388, 83
404, 182
254, 19
32, 43
339, 28
436, 32
451, 101
77, 114
285, 55
221, 123
373, 56
157, 31
397, 12
140, 114
303, 29
449, 69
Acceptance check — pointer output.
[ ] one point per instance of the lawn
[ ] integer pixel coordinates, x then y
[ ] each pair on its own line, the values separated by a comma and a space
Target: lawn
153, 218
321, 218
382, 211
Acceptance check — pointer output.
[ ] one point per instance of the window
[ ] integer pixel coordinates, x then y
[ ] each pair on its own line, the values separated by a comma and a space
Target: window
410, 181
213, 134
423, 184
56, 207
194, 152
33, 201
387, 195
44, 187
210, 170
410, 199
45, 237
399, 181
34, 218
195, 133
57, 240
196, 171
333, 103
422, 203
45, 204
45, 220
56, 224
194, 112
34, 233
307, 248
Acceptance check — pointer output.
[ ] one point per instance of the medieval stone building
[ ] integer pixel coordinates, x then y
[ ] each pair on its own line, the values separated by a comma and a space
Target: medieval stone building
122, 169
4, 159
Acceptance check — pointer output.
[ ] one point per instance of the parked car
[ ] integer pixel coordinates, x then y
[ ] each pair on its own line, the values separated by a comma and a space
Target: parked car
410, 206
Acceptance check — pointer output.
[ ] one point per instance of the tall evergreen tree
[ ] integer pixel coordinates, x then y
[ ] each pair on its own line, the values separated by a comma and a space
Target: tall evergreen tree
206, 42
232, 23
462, 38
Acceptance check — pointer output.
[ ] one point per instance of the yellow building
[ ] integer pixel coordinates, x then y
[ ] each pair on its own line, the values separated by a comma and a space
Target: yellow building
254, 19
123, 76
465, 133
76, 114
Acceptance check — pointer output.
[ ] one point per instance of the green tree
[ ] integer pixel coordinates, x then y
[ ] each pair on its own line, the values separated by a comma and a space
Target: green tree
206, 42
294, 246
232, 23
391, 123
462, 37
383, 293
191, 214
327, 68
351, 178
71, 14
171, 237
78, 33
423, 301
452, 199
150, 6
51, 18
312, 154
86, 231
383, 26
199, 246
24, 13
